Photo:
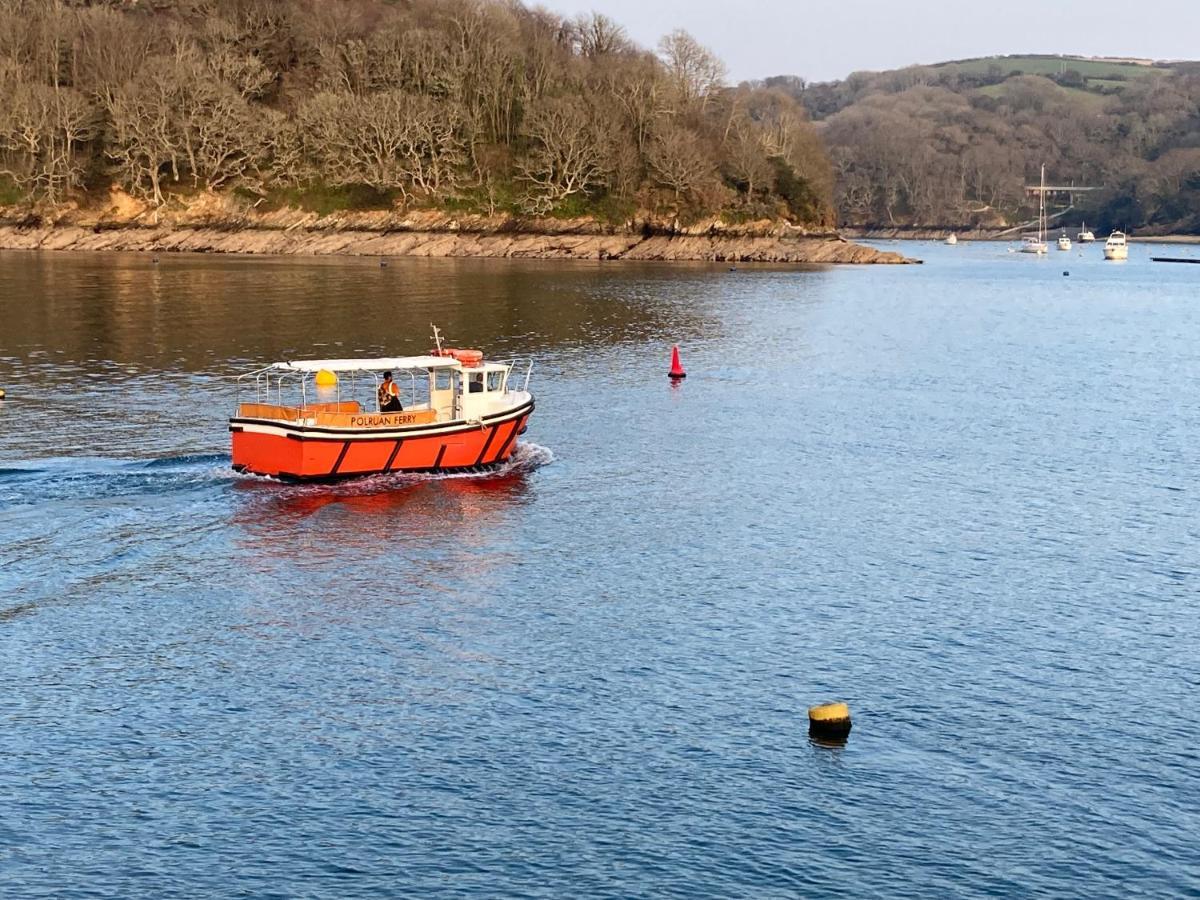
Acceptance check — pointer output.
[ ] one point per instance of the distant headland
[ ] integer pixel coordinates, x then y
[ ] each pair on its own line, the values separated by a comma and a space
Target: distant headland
955, 146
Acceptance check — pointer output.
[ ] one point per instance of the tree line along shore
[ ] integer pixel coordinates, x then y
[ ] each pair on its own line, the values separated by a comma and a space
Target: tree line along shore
471, 106
493, 113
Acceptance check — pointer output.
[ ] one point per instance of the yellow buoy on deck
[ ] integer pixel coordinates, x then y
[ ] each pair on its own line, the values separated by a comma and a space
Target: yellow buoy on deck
829, 720
325, 378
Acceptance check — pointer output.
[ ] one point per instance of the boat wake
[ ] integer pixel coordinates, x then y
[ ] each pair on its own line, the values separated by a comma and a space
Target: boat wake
82, 479
63, 479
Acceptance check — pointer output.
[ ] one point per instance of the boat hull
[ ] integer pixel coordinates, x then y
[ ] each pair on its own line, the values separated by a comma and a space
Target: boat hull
295, 452
1116, 253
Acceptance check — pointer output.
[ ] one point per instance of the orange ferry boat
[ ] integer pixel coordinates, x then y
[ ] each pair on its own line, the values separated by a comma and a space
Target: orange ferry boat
459, 413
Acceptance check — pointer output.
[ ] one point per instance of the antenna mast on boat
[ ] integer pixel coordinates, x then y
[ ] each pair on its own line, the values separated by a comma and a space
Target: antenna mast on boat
437, 338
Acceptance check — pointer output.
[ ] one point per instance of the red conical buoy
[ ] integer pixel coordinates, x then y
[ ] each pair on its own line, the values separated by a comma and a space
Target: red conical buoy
676, 366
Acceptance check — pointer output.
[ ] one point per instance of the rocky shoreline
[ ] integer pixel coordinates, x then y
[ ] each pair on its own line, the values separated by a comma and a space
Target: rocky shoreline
215, 223
516, 245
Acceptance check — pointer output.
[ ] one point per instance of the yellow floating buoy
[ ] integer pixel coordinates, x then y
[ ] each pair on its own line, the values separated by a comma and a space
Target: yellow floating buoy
829, 720
325, 378
2, 394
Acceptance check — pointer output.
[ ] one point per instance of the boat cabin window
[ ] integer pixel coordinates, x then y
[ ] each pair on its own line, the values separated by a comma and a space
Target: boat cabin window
443, 379
495, 380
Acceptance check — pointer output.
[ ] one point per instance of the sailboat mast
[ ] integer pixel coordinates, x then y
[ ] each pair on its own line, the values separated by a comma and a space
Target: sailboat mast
1042, 206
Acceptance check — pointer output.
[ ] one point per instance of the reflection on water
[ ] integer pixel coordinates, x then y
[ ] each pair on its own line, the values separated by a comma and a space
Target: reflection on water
120, 314
120, 345
378, 521
384, 495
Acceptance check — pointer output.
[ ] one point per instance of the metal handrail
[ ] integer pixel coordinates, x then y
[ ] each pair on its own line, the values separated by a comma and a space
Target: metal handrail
513, 363
263, 383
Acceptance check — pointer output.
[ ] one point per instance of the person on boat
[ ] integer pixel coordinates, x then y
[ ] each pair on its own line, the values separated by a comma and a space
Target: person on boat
389, 395
475, 386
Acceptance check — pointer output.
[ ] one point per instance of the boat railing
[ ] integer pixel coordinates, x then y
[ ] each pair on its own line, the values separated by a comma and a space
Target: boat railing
269, 383
262, 386
517, 363
260, 410
269, 390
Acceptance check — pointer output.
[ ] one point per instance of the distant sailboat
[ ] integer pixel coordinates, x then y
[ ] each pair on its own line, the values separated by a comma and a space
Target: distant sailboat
1037, 244
1084, 236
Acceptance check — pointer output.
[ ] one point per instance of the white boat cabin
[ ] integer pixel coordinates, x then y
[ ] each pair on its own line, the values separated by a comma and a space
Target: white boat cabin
1117, 246
346, 392
1031, 243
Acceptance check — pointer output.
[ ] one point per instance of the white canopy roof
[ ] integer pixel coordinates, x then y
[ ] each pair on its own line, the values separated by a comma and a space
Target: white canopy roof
365, 365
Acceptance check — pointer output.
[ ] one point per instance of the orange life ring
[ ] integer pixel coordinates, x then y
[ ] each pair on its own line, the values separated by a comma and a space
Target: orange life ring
469, 358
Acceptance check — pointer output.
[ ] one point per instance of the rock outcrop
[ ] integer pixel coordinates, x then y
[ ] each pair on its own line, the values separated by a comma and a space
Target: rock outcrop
215, 223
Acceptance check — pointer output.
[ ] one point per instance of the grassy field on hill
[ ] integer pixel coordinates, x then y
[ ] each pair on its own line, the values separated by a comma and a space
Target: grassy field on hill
1088, 100
1113, 70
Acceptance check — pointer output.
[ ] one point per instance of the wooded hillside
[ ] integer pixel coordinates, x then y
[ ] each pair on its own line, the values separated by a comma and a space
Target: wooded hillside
953, 145
474, 105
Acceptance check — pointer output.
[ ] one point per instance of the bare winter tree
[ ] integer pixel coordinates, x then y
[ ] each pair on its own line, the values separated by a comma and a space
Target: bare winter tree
142, 144
677, 160
43, 133
567, 154
600, 36
174, 119
695, 72
745, 158
391, 141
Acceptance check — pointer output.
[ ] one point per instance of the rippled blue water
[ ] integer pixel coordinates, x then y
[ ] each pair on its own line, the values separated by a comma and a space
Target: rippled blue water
960, 496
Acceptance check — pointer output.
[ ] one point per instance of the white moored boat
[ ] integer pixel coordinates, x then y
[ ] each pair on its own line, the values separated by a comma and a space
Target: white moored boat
1117, 246
952, 240
1084, 236
1064, 242
1037, 244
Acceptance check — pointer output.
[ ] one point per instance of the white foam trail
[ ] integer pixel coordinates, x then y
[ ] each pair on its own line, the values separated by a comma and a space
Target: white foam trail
525, 458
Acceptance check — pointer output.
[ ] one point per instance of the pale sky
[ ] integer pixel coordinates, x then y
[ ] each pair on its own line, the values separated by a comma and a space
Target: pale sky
822, 40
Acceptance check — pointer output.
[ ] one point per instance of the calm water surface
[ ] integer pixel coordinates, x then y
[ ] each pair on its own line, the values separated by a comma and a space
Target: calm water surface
960, 496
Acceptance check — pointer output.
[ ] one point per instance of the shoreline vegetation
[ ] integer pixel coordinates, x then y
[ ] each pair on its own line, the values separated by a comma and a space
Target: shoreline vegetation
432, 128
463, 124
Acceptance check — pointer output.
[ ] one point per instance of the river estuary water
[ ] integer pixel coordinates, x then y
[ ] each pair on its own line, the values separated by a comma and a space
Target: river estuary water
961, 496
